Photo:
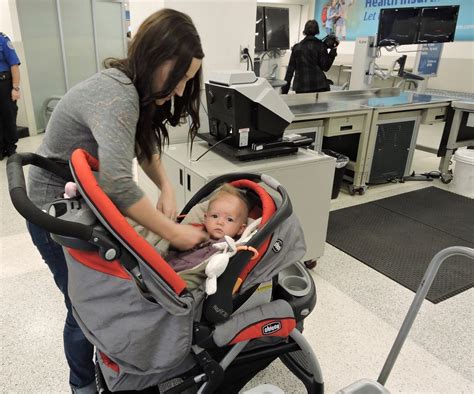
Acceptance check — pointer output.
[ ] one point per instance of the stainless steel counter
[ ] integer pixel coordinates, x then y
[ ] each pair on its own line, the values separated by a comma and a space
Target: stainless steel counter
358, 94
342, 101
324, 108
401, 99
362, 112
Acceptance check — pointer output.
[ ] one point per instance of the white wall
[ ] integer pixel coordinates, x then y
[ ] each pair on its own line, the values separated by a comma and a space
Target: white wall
227, 25
5, 19
456, 69
140, 10
223, 25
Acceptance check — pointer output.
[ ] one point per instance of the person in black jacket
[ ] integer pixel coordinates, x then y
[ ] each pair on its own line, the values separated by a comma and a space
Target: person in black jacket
309, 58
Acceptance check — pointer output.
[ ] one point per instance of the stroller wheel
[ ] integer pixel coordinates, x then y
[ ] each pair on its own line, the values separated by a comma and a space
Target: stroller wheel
310, 264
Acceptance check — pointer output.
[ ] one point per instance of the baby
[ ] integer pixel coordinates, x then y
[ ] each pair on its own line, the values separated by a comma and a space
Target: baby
227, 214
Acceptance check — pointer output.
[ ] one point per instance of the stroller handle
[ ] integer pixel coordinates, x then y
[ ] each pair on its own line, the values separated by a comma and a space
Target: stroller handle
26, 208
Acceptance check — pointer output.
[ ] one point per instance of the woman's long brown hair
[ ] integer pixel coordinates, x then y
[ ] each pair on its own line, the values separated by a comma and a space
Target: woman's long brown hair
166, 35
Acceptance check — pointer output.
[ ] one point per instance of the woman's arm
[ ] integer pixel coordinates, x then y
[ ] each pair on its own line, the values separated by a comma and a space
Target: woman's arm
15, 70
181, 236
157, 173
326, 59
110, 110
289, 72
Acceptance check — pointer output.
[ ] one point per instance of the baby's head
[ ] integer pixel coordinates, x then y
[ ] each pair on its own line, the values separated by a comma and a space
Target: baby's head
227, 213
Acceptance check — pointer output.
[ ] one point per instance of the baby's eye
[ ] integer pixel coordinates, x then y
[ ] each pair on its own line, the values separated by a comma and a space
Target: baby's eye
214, 216
230, 220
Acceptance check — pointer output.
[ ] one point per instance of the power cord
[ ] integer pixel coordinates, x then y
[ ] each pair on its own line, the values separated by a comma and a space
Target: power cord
217, 143
246, 55
432, 174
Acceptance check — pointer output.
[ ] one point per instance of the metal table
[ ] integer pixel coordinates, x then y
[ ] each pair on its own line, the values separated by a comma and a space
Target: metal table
395, 109
340, 114
333, 119
458, 132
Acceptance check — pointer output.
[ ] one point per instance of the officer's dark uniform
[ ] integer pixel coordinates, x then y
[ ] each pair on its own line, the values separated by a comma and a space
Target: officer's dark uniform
8, 107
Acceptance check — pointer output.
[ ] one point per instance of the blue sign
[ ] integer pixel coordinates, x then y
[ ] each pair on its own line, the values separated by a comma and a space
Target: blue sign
429, 58
359, 18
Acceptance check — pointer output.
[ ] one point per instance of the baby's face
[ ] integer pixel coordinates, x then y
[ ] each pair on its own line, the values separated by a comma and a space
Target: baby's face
225, 216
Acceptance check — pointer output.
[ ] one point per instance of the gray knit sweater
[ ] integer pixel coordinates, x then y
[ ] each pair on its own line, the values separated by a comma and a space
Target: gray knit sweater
99, 115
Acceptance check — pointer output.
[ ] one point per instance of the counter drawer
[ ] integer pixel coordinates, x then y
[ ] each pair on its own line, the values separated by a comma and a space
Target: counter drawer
434, 115
343, 125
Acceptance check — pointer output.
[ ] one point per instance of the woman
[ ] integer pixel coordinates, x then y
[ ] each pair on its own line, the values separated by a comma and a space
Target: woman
116, 115
309, 58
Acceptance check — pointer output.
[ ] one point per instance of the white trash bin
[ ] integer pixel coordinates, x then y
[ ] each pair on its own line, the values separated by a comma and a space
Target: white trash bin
463, 180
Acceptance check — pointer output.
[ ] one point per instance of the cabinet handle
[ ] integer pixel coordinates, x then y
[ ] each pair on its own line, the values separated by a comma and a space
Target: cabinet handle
188, 178
181, 177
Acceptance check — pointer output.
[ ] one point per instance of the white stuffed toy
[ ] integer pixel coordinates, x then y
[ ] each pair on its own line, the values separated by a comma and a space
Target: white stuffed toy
218, 262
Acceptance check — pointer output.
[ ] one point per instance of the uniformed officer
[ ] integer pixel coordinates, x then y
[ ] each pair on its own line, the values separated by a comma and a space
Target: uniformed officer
9, 95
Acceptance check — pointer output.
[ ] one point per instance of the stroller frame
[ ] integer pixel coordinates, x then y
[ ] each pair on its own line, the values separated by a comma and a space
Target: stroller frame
294, 351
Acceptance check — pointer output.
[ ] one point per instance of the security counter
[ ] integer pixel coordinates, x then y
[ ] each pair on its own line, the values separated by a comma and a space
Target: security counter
375, 128
327, 120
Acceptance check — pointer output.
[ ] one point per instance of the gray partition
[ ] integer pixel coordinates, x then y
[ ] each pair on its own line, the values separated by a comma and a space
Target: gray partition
111, 40
66, 41
78, 33
40, 36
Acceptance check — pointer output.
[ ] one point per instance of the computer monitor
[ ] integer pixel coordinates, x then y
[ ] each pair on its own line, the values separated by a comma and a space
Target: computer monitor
277, 28
398, 26
438, 24
260, 30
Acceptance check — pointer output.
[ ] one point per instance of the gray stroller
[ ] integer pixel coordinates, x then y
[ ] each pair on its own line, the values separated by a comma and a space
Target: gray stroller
150, 332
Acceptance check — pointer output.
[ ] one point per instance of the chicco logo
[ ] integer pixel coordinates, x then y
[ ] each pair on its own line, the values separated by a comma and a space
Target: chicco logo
270, 328
277, 246
220, 311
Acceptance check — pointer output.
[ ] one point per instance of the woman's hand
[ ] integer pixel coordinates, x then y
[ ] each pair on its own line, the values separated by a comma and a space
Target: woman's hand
182, 237
167, 202
15, 95
185, 236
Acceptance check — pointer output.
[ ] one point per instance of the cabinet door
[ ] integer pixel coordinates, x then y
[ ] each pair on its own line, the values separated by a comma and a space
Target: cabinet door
309, 188
193, 183
176, 176
392, 150
147, 185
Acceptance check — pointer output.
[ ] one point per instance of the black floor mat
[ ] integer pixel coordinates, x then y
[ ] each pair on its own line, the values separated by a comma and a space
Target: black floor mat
398, 236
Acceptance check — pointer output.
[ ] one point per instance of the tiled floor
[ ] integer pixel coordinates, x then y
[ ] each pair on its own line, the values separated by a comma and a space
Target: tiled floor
352, 328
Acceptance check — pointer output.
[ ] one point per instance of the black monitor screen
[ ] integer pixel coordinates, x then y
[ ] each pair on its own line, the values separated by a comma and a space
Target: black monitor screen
438, 24
398, 26
277, 28
260, 31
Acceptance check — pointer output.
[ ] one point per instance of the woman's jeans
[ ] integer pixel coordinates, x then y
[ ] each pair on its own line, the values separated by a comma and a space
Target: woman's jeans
79, 352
